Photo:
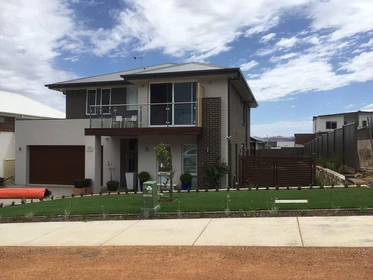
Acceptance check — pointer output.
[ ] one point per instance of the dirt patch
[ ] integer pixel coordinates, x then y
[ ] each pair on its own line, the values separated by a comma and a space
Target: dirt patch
185, 263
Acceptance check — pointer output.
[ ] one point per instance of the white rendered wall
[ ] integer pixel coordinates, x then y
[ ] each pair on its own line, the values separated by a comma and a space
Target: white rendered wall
44, 132
321, 122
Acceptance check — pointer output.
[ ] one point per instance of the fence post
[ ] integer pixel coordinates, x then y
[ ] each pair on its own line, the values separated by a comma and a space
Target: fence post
313, 168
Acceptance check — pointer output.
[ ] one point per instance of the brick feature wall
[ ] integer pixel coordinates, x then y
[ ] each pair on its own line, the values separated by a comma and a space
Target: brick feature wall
238, 130
209, 143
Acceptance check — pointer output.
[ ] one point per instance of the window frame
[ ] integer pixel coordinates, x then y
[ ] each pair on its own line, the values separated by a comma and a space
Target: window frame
86, 102
109, 113
3, 119
364, 123
182, 158
331, 124
173, 101
134, 107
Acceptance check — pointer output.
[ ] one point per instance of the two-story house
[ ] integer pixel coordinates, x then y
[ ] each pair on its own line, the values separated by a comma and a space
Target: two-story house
200, 111
16, 106
326, 123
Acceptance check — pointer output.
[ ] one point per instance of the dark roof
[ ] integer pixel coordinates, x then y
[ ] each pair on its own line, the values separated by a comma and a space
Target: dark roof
166, 70
348, 113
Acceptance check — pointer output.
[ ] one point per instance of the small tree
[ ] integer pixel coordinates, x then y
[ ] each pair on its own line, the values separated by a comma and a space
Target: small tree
164, 157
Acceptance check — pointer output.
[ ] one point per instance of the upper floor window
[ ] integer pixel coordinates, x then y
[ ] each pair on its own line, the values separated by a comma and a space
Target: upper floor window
106, 100
331, 125
2, 119
91, 99
131, 98
363, 123
173, 103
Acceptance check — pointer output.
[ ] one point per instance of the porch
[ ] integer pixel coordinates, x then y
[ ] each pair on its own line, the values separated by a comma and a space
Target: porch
131, 155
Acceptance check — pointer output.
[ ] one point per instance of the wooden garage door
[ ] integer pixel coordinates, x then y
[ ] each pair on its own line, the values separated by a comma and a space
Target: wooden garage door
59, 165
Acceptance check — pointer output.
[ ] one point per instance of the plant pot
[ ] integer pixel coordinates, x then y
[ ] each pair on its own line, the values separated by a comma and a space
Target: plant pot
79, 191
88, 190
112, 186
141, 185
130, 180
186, 186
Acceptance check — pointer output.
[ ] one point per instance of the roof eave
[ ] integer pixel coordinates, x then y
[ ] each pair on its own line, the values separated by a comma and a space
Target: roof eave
179, 74
61, 86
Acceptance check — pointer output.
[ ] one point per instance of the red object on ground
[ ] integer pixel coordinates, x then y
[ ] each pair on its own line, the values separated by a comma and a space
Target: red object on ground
24, 193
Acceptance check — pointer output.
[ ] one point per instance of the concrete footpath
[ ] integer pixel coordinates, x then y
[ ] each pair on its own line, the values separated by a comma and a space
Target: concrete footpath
352, 231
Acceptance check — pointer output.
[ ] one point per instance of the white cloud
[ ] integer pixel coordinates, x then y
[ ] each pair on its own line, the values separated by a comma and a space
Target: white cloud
248, 65
287, 43
167, 25
281, 128
350, 106
368, 107
267, 38
31, 36
345, 18
310, 73
283, 57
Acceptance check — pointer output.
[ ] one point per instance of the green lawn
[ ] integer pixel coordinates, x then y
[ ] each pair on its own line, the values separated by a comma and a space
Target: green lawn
211, 201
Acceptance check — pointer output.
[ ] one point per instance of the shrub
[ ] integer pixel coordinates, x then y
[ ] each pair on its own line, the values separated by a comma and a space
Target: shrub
144, 176
214, 173
118, 192
23, 200
82, 183
13, 203
72, 195
299, 188
186, 178
81, 195
1, 205
63, 196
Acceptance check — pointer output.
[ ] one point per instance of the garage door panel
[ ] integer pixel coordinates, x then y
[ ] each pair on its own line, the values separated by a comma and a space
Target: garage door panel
56, 164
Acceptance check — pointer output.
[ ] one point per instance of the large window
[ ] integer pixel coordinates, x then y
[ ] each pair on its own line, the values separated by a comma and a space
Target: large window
189, 158
131, 98
363, 123
91, 99
161, 104
105, 100
173, 103
331, 125
2, 119
185, 113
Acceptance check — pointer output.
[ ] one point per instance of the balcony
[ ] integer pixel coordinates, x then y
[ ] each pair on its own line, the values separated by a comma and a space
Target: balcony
145, 118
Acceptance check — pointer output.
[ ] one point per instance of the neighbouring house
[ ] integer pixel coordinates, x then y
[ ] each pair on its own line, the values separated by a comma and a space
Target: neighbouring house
257, 144
326, 123
281, 144
12, 107
200, 111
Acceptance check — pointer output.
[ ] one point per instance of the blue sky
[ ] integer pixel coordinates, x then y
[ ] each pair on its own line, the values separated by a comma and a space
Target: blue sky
301, 57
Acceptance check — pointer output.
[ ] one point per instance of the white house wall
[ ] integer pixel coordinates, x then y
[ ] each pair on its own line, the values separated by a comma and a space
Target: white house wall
44, 132
363, 117
7, 148
214, 87
321, 122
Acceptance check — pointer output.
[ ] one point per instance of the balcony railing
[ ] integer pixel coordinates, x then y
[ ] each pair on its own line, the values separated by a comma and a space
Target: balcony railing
144, 115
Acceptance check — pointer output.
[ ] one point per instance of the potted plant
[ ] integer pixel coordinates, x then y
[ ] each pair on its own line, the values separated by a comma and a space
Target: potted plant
82, 186
143, 177
186, 181
111, 185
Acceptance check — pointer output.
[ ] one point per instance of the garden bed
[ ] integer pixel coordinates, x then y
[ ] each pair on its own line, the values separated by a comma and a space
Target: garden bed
196, 215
